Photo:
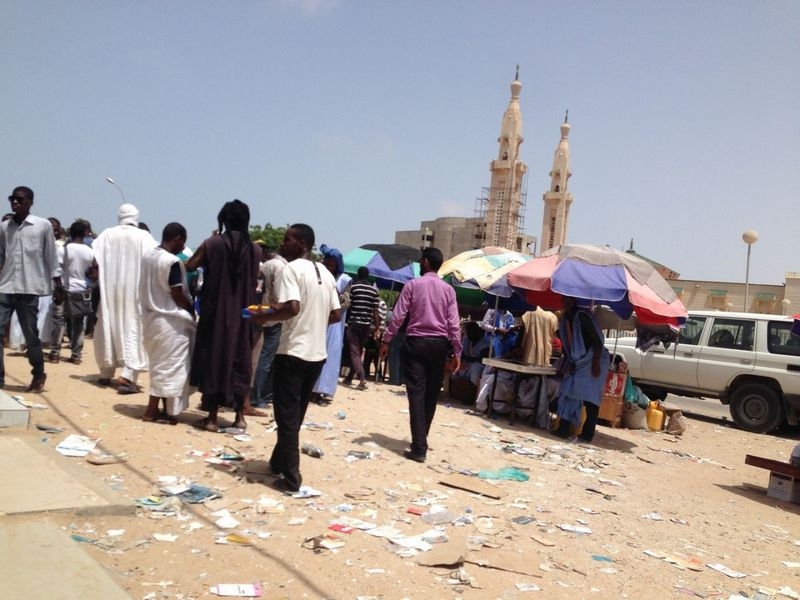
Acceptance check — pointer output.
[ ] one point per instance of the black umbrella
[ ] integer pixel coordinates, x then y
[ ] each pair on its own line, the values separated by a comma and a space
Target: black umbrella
396, 256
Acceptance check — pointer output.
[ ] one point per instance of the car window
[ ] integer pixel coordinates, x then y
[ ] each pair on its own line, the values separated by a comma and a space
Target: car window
780, 339
737, 334
691, 331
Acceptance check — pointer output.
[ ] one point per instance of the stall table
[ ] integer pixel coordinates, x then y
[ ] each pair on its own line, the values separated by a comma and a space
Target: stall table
523, 371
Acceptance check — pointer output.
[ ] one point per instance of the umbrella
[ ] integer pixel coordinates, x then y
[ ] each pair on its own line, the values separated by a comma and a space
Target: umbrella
484, 268
386, 262
621, 281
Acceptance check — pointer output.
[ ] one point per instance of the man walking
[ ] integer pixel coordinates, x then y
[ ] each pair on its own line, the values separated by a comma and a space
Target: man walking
307, 304
433, 336
361, 317
118, 253
77, 258
28, 269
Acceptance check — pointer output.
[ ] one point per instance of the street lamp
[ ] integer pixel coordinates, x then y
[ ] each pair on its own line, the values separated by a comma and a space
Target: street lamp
786, 303
749, 237
119, 189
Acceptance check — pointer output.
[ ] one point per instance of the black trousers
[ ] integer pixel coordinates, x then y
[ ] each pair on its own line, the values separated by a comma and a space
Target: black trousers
294, 380
423, 368
589, 426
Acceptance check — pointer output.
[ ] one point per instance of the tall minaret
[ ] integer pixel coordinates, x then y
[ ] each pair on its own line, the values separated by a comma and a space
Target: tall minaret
558, 200
504, 212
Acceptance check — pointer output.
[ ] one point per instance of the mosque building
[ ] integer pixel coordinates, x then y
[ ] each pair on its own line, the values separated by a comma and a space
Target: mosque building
500, 210
500, 217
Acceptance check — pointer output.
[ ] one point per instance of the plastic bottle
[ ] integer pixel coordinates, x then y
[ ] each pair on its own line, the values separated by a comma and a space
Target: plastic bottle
312, 450
655, 417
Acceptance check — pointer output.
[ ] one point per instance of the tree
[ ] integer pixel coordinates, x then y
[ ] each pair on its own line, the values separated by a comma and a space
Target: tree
271, 236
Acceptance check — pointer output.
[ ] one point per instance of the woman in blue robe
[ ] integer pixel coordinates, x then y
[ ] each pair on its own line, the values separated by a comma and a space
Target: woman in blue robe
584, 367
328, 380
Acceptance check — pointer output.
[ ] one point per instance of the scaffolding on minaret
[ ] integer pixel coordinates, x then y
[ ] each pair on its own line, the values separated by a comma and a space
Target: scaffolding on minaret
484, 235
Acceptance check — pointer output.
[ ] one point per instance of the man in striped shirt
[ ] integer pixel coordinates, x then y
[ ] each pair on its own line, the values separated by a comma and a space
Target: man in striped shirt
361, 317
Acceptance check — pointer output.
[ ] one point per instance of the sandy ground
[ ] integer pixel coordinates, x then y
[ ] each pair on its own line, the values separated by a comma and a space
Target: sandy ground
660, 510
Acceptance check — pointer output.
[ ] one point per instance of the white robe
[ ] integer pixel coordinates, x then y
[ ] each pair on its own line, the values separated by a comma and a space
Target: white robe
117, 335
168, 331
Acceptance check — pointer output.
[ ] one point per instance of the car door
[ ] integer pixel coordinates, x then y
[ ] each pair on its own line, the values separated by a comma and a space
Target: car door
676, 365
727, 351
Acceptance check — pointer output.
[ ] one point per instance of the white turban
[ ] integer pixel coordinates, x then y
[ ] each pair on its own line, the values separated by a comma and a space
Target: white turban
128, 214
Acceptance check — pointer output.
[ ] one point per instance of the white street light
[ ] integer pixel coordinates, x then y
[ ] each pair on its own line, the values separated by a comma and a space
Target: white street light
119, 189
749, 237
786, 303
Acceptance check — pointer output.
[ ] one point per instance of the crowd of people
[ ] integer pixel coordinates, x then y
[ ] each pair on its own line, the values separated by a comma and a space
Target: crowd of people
247, 325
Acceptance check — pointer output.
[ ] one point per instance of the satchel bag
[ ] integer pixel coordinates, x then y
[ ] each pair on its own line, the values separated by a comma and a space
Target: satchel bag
79, 304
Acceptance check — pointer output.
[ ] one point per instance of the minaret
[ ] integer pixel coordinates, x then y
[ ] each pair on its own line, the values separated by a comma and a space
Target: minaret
558, 200
504, 212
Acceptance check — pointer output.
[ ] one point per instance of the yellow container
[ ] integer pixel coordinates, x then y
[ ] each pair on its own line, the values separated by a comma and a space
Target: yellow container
655, 417
576, 430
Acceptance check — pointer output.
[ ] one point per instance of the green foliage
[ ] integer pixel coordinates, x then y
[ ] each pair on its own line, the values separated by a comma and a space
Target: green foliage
389, 296
271, 236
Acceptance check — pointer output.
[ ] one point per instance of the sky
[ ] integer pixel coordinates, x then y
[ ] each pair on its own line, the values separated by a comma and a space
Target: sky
362, 118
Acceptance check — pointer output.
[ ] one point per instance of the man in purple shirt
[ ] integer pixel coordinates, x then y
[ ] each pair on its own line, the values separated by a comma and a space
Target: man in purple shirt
433, 336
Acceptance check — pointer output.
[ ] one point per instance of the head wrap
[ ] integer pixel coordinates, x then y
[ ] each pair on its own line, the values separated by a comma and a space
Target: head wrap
128, 214
328, 251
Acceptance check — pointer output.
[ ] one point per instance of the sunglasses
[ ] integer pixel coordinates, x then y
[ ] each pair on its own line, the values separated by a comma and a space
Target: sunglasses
16, 199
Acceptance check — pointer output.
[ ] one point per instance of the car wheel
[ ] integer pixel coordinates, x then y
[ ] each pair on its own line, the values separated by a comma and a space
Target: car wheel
756, 408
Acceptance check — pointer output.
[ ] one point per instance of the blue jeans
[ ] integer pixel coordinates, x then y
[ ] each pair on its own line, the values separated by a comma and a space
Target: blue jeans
262, 384
27, 308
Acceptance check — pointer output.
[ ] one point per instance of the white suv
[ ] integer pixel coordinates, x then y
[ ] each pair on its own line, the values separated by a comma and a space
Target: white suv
749, 361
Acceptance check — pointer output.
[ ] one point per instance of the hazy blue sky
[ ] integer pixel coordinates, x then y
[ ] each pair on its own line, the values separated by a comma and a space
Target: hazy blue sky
365, 117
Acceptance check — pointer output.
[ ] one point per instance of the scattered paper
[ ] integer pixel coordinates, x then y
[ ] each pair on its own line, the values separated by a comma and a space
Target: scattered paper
725, 570
76, 445
575, 528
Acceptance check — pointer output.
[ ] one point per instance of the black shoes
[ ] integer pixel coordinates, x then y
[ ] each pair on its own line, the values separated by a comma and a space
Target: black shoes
37, 385
420, 458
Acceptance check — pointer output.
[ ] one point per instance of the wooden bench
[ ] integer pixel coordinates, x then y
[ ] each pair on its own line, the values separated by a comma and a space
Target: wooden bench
775, 466
784, 478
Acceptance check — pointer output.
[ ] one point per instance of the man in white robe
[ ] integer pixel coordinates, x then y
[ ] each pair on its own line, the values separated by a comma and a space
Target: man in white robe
168, 326
118, 253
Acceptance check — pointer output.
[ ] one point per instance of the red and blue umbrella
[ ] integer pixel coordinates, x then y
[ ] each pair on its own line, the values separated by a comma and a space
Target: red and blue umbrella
603, 275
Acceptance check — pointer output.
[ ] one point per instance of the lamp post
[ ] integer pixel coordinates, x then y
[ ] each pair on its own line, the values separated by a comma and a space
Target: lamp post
785, 303
119, 189
749, 237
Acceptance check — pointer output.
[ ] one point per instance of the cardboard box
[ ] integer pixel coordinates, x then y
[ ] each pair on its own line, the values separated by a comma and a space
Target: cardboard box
611, 410
783, 487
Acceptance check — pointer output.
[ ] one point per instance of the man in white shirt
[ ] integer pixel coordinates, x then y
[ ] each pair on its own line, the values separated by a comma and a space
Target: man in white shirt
76, 258
262, 393
307, 303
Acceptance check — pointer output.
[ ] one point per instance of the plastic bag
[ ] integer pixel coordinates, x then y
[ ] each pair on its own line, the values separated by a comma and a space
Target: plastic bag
676, 424
506, 473
633, 417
